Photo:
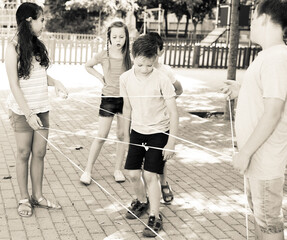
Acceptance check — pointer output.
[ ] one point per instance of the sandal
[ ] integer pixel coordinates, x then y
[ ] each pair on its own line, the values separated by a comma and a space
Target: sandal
47, 205
25, 208
166, 192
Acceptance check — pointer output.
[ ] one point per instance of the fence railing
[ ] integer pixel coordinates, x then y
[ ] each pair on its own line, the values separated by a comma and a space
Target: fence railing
217, 57
78, 48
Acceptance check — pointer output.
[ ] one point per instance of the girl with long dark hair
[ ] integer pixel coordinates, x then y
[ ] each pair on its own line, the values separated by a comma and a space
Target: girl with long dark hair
26, 63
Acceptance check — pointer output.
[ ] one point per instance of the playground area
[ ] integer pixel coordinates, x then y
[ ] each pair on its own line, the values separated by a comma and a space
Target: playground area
209, 198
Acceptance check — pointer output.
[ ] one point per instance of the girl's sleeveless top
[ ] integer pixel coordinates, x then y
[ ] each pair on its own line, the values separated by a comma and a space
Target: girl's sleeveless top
112, 69
35, 91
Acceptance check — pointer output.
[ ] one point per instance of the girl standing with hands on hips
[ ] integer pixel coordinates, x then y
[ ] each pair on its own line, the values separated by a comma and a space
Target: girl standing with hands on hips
115, 61
26, 63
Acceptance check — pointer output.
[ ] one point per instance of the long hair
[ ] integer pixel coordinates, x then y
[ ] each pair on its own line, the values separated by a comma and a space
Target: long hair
126, 47
28, 44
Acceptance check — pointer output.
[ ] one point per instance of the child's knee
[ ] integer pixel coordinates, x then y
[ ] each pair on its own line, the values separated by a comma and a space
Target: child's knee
120, 135
23, 153
150, 177
39, 153
134, 175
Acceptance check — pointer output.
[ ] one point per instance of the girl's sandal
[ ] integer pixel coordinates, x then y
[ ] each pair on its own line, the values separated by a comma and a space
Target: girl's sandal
47, 204
167, 194
25, 208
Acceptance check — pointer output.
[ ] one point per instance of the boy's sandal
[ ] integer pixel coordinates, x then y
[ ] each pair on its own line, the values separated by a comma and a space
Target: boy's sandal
25, 208
45, 203
167, 194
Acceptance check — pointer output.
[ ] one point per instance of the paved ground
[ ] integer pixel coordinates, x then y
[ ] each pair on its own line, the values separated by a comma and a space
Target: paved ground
209, 199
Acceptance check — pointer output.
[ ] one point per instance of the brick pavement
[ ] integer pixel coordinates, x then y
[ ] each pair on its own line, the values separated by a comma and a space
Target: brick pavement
209, 200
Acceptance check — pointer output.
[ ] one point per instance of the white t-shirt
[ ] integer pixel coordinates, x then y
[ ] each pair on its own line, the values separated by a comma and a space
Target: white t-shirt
266, 77
147, 99
166, 69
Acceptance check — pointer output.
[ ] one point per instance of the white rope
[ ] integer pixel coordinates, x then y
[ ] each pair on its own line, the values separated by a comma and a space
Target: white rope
178, 138
146, 147
99, 185
244, 181
143, 96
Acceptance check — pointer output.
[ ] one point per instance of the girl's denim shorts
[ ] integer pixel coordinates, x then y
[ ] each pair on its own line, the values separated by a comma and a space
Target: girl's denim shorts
19, 123
265, 200
111, 106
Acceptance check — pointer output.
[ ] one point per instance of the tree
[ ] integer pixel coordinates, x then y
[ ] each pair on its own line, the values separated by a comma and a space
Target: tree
83, 16
233, 49
75, 21
198, 9
166, 5
179, 9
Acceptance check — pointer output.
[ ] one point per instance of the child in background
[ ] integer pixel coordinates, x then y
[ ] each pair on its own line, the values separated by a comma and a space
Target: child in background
115, 61
26, 62
151, 121
166, 191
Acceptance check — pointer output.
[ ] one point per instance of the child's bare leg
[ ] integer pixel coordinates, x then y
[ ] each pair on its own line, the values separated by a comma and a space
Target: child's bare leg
24, 142
163, 177
104, 129
120, 152
37, 162
153, 187
138, 184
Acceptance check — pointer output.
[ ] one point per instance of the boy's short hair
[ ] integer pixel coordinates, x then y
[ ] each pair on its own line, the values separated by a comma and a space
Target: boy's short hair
143, 46
157, 38
276, 9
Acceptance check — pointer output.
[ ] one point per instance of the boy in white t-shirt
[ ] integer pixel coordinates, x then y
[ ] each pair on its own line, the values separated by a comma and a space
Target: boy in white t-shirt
166, 191
261, 120
151, 119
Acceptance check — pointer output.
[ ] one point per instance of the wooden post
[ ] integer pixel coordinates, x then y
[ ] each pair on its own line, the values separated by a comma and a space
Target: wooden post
196, 53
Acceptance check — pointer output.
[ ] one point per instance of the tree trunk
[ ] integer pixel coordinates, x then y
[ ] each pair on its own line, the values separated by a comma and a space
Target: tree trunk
186, 26
166, 23
194, 32
177, 28
233, 50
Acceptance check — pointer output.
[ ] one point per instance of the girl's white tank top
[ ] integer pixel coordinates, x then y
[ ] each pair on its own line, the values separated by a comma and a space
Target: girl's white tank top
35, 91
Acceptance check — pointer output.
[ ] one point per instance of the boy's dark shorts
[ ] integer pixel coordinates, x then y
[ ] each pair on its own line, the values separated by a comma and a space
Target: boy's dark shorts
111, 106
19, 123
152, 159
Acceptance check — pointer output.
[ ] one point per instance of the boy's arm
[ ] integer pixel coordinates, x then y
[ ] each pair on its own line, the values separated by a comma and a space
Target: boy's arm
231, 88
89, 66
273, 108
127, 112
178, 88
173, 114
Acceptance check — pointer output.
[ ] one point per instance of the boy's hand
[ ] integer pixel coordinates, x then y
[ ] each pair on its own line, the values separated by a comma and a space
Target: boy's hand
166, 153
240, 161
59, 88
231, 89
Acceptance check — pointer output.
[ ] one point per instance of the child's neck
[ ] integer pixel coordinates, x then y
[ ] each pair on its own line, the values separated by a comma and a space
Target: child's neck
115, 52
156, 64
142, 77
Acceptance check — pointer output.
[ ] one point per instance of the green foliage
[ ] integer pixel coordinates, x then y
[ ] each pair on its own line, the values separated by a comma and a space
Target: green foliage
61, 20
82, 16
